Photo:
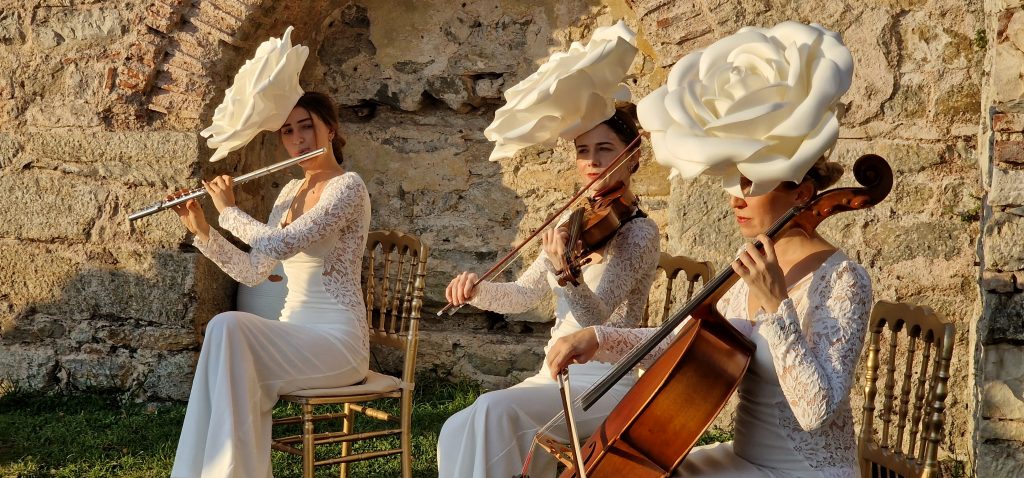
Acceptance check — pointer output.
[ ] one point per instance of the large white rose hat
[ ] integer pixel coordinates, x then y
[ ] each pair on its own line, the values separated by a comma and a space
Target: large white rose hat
568, 95
262, 96
760, 103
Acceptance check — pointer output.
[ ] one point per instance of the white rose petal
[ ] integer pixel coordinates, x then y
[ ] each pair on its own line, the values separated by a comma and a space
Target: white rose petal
759, 103
568, 95
262, 96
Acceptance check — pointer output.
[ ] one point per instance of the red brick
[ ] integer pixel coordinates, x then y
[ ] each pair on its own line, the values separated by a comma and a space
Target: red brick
1011, 152
228, 22
234, 8
207, 27
1008, 122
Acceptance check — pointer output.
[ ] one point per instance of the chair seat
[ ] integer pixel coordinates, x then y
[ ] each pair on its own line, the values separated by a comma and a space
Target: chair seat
374, 383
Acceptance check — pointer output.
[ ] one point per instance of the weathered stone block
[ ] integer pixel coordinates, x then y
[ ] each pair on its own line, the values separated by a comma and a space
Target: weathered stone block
98, 367
64, 25
168, 375
9, 149
1003, 388
138, 336
11, 32
1008, 122
958, 98
1007, 64
154, 287
904, 157
999, 458
1000, 282
26, 365
1004, 312
497, 361
53, 215
1004, 233
62, 113
1007, 188
897, 242
34, 328
873, 75
154, 158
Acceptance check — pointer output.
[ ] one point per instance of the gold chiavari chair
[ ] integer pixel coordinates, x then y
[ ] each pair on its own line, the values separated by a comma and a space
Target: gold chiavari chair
679, 268
919, 343
395, 268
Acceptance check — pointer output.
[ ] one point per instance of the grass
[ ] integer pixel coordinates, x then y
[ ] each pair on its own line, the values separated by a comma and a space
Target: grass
100, 434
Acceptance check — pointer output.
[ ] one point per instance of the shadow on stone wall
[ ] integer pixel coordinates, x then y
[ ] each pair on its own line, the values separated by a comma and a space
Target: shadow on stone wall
113, 328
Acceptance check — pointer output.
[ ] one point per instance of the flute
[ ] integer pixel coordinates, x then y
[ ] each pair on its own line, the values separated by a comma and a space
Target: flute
201, 191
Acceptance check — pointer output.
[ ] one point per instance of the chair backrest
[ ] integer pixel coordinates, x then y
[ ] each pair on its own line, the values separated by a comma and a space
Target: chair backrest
682, 268
916, 395
394, 274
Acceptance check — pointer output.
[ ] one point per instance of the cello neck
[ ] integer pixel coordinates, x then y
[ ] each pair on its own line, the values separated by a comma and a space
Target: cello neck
707, 296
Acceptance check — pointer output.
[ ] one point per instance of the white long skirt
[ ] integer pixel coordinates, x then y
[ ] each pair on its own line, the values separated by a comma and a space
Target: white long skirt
492, 437
246, 363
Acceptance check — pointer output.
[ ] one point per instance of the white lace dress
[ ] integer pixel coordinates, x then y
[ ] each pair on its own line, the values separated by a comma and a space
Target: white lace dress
794, 417
320, 340
492, 437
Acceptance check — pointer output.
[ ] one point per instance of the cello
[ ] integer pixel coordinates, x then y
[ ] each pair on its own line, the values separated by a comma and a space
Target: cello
688, 385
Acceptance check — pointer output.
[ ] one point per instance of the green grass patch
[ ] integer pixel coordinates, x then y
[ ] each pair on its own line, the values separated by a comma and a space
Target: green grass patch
100, 434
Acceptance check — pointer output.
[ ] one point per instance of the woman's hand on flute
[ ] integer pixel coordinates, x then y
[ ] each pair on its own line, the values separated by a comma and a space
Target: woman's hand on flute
577, 347
461, 289
191, 215
221, 190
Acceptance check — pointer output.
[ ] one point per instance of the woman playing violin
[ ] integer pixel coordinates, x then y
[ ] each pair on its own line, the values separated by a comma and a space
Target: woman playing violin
492, 437
805, 304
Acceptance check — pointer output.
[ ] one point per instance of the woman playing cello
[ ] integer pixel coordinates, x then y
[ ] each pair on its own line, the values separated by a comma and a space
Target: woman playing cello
801, 300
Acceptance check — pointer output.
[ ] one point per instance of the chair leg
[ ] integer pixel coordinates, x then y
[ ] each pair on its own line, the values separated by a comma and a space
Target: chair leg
346, 447
308, 451
406, 419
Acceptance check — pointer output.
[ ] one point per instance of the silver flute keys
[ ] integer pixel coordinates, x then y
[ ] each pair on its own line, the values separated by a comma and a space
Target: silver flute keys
200, 191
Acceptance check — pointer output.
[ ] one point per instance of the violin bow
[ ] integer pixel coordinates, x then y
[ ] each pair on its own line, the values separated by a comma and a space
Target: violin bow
570, 421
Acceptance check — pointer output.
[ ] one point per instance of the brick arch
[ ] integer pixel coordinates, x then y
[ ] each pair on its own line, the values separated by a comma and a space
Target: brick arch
186, 52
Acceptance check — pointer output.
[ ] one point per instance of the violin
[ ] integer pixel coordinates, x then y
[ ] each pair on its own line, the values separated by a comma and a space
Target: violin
629, 152
591, 226
660, 419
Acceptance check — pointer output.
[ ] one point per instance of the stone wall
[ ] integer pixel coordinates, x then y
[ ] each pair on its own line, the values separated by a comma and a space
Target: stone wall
999, 332
100, 110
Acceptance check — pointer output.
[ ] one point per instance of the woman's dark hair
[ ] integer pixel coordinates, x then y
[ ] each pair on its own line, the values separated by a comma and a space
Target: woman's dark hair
321, 105
623, 124
822, 175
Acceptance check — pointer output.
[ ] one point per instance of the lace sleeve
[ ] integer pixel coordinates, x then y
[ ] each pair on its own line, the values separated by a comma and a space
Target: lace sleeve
632, 255
249, 269
342, 201
816, 369
518, 296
